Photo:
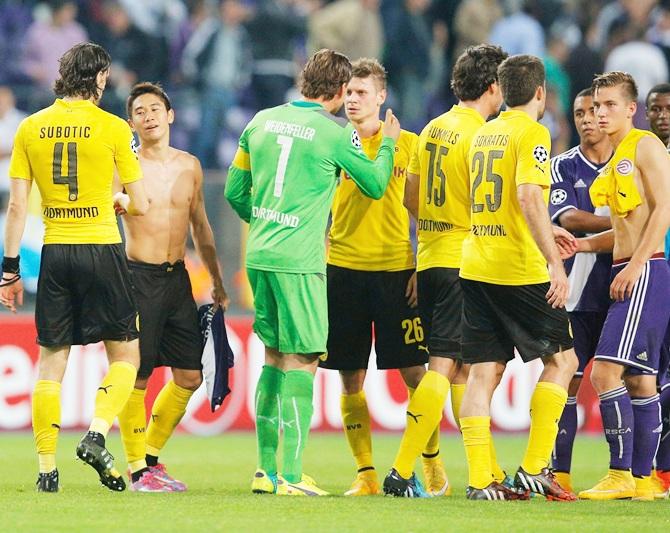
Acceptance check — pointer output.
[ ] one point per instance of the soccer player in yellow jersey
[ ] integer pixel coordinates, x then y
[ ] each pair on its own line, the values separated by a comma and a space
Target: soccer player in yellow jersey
71, 149
370, 281
156, 245
511, 299
437, 194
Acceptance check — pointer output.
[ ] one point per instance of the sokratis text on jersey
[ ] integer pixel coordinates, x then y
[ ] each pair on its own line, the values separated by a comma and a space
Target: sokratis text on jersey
65, 132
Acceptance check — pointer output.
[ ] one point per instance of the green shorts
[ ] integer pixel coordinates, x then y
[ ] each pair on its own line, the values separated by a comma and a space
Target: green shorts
291, 311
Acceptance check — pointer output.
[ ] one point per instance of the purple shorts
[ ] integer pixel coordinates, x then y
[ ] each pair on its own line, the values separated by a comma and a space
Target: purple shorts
586, 329
634, 330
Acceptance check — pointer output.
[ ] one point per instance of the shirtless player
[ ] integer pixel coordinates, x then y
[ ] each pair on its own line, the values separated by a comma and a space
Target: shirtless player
635, 184
170, 331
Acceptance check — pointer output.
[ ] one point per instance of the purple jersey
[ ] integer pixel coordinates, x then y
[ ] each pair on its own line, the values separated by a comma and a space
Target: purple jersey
589, 274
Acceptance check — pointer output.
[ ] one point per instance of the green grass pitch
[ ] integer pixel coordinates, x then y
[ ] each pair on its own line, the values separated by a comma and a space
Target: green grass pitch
218, 471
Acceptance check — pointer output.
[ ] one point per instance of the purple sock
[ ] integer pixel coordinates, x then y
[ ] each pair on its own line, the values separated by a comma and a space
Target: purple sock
561, 459
618, 423
663, 453
647, 415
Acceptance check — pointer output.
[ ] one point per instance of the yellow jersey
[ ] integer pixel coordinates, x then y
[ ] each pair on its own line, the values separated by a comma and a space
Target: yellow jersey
441, 162
373, 235
509, 151
70, 149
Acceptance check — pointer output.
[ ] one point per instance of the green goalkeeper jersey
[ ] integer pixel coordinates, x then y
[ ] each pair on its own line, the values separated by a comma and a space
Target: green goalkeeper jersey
283, 178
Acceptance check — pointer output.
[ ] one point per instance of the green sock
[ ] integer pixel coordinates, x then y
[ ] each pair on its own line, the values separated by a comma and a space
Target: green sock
296, 415
268, 395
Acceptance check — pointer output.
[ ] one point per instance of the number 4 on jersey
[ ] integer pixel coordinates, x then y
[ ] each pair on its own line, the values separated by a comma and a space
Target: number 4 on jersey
71, 179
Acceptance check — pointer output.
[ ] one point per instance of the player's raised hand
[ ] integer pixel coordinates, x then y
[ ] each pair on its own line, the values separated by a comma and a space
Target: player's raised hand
411, 293
11, 292
557, 295
624, 282
391, 126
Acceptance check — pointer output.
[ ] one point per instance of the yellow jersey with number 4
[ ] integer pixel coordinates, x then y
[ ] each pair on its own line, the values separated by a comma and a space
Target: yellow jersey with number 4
373, 235
70, 150
441, 162
507, 152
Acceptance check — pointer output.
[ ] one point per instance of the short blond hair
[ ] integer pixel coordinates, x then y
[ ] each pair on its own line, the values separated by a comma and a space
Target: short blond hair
614, 79
366, 67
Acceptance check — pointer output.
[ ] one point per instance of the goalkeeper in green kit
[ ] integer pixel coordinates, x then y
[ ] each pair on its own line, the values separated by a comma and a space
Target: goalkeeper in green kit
282, 182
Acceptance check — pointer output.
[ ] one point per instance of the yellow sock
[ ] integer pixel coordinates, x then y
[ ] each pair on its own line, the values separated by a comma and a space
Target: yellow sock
424, 413
133, 424
432, 449
546, 407
498, 472
46, 422
112, 395
356, 422
168, 409
457, 393
477, 440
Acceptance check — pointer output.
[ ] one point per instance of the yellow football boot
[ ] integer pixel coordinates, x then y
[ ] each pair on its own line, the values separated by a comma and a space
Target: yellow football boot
305, 487
616, 485
564, 480
264, 483
365, 484
435, 477
644, 489
660, 492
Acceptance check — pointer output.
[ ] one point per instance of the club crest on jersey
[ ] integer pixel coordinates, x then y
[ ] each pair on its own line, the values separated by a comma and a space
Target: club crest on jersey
356, 140
624, 167
558, 196
540, 154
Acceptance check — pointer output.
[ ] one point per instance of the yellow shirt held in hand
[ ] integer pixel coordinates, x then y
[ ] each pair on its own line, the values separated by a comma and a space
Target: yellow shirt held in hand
70, 150
441, 162
373, 235
507, 152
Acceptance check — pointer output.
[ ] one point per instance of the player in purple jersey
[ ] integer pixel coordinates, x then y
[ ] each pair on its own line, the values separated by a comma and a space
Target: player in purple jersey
658, 114
635, 184
572, 174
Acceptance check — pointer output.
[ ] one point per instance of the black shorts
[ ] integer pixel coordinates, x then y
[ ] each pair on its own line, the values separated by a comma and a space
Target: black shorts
441, 310
84, 295
499, 318
169, 328
356, 300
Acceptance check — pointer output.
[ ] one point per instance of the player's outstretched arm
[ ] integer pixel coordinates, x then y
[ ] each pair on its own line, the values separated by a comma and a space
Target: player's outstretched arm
203, 238
581, 221
11, 287
134, 201
371, 177
534, 211
238, 185
652, 161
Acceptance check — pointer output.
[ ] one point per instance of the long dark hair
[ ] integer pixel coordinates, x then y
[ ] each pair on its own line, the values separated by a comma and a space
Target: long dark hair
78, 70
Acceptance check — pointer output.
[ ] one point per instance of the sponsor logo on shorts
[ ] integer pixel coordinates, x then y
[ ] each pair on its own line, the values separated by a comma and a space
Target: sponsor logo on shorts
642, 356
625, 166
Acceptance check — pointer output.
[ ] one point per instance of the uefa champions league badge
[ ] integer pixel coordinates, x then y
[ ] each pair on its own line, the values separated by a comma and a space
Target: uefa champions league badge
355, 140
624, 167
558, 196
541, 154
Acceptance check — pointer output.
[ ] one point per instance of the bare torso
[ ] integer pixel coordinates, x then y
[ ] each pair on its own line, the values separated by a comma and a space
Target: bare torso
160, 235
628, 230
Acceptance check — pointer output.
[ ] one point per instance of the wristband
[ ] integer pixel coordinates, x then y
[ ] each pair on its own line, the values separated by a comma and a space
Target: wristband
11, 264
10, 281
